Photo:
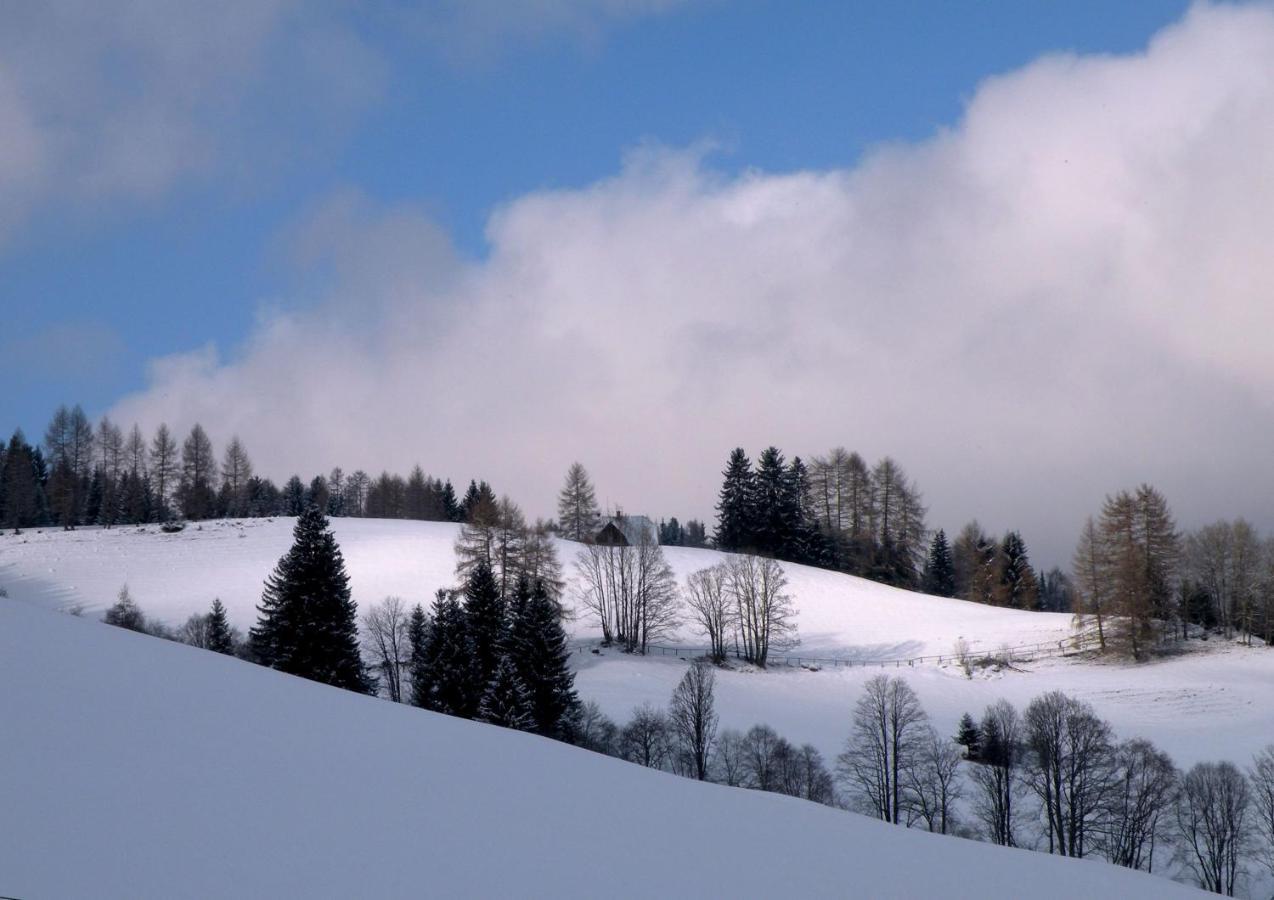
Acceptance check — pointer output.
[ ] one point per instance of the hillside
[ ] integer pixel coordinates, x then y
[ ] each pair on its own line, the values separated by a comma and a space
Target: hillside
144, 769
1182, 704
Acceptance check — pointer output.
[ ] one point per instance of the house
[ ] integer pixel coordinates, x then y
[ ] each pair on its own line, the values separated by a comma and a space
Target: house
620, 530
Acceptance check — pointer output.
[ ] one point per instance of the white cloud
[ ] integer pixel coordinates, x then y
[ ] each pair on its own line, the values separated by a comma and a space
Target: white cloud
1066, 293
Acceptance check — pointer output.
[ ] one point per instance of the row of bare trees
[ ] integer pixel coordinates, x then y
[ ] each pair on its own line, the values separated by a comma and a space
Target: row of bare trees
743, 607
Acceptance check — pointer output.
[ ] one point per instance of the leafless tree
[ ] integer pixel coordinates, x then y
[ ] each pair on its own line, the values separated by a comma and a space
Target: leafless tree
932, 786
1137, 808
195, 631
805, 775
692, 717
997, 778
885, 742
356, 487
631, 591
1261, 776
763, 750
645, 739
711, 607
539, 560
236, 469
762, 608
595, 731
728, 762
1212, 811
1069, 764
1089, 568
387, 642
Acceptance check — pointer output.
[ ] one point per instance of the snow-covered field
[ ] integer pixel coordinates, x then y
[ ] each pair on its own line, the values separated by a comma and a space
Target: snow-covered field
137, 768
1205, 705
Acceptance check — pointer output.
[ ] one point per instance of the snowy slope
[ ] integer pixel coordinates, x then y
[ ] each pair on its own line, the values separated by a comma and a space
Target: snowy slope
1205, 706
174, 575
143, 769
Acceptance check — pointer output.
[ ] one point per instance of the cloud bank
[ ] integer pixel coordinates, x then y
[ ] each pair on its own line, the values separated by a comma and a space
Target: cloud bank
1066, 292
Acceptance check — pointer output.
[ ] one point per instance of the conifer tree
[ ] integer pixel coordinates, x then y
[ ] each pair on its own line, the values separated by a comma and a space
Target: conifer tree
308, 621
20, 487
219, 639
484, 607
970, 737
537, 646
450, 506
577, 512
736, 504
449, 675
939, 576
417, 637
506, 701
1019, 586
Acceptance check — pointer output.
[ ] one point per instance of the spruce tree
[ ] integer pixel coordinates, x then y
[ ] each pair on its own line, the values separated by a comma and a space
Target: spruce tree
970, 737
772, 505
939, 575
1019, 585
537, 646
308, 621
450, 506
736, 504
220, 639
449, 675
486, 617
417, 637
506, 701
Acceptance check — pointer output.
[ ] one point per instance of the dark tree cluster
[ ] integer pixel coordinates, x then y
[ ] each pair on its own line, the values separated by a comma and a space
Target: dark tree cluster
766, 510
83, 475
981, 569
673, 534
499, 657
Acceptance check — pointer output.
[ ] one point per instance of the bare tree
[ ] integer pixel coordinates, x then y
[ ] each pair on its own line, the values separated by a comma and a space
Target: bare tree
762, 608
236, 469
1212, 811
539, 560
762, 757
630, 589
645, 739
195, 631
163, 468
197, 472
1069, 764
1135, 817
577, 513
1089, 568
387, 641
711, 607
885, 742
997, 776
692, 717
932, 786
1261, 776
728, 762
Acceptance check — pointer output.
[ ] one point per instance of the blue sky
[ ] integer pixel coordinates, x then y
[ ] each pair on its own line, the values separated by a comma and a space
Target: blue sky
775, 86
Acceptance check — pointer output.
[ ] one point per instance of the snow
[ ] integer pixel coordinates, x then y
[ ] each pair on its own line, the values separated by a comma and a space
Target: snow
134, 767
1205, 705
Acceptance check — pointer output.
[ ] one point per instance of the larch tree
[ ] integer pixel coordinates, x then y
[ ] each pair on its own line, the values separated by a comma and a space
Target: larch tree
1092, 587
163, 469
577, 512
692, 717
236, 470
197, 472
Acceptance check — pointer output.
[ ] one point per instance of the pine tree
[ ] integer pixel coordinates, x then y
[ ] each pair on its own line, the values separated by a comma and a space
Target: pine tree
537, 646
506, 701
449, 675
417, 639
484, 607
736, 505
308, 621
450, 506
939, 576
220, 639
577, 513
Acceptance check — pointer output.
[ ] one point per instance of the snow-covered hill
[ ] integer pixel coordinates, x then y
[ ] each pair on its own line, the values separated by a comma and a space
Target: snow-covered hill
1204, 706
136, 768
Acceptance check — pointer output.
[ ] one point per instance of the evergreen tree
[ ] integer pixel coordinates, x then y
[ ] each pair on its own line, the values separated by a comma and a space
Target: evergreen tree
417, 638
308, 621
1019, 586
577, 513
970, 737
939, 576
774, 515
449, 675
487, 625
20, 485
736, 505
219, 639
294, 497
537, 646
506, 701
450, 506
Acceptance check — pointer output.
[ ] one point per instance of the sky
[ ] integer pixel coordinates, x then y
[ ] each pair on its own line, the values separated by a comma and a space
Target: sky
1020, 248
